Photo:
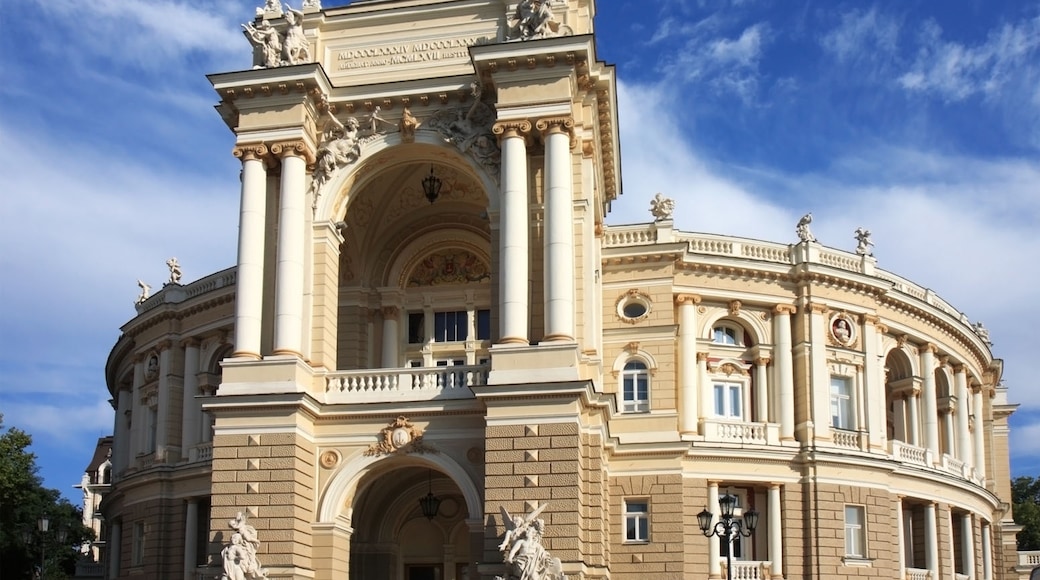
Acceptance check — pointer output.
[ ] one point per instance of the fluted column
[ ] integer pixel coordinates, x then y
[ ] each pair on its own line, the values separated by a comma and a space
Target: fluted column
964, 450
114, 553
901, 534
249, 287
968, 546
928, 399
391, 337
762, 389
784, 370
513, 251
714, 554
191, 409
559, 228
980, 424
688, 362
122, 443
915, 419
987, 553
191, 534
776, 541
289, 282
931, 543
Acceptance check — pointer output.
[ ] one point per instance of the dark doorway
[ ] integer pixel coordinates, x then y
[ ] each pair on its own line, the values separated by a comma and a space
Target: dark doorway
424, 572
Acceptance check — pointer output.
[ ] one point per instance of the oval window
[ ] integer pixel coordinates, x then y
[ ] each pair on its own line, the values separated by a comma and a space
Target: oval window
634, 309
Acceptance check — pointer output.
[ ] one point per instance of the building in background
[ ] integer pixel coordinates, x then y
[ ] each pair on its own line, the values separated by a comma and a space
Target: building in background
430, 322
96, 482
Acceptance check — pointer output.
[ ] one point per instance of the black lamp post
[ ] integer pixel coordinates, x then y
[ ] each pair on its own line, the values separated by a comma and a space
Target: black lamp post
728, 526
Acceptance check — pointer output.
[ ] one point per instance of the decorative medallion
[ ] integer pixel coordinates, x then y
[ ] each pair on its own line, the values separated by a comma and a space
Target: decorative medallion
329, 459
633, 306
400, 436
843, 329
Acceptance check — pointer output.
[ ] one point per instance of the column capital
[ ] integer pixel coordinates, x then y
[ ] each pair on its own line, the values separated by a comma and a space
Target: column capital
189, 342
514, 128
390, 311
702, 357
763, 361
784, 309
164, 345
250, 151
293, 148
775, 485
816, 308
929, 347
959, 368
872, 319
691, 299
559, 124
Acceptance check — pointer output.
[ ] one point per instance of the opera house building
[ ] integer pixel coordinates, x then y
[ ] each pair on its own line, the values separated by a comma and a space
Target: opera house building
436, 360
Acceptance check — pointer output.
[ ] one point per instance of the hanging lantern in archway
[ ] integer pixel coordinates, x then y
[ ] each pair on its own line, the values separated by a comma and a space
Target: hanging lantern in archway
431, 503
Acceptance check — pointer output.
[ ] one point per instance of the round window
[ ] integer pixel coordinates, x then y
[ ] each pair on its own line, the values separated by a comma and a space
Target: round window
633, 306
634, 310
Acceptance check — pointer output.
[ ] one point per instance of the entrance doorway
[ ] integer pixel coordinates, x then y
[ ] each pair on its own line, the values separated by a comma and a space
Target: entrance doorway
423, 572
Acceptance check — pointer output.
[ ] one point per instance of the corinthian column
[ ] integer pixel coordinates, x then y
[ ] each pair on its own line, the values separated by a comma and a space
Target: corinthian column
559, 229
784, 370
289, 283
960, 381
688, 362
929, 402
249, 287
513, 250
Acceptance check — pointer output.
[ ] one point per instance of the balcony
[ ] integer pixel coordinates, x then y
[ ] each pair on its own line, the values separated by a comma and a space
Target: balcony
201, 452
918, 574
741, 432
404, 385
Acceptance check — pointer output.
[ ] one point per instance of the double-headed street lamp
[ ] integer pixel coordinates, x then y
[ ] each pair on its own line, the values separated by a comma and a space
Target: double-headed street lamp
728, 526
43, 526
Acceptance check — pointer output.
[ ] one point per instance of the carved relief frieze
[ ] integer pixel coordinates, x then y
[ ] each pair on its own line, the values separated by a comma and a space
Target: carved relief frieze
400, 436
452, 266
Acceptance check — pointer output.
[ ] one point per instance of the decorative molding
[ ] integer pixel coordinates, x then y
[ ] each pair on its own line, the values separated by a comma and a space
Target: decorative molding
681, 299
293, 148
400, 436
734, 307
250, 151
506, 129
784, 309
330, 459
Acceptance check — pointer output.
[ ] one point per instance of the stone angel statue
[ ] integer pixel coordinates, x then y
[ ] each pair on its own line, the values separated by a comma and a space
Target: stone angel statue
802, 229
146, 291
267, 40
863, 242
522, 550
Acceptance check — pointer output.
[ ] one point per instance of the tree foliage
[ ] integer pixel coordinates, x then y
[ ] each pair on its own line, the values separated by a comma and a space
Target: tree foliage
23, 500
1025, 497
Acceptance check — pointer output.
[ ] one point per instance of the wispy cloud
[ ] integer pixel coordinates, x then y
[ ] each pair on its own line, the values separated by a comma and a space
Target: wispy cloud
727, 65
956, 71
862, 35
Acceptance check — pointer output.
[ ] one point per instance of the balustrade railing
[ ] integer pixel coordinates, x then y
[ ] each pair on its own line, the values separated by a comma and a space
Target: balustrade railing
918, 574
741, 432
1029, 559
406, 384
745, 570
201, 452
910, 453
847, 439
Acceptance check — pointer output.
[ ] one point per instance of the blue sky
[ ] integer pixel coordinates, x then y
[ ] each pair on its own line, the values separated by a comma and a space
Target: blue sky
917, 120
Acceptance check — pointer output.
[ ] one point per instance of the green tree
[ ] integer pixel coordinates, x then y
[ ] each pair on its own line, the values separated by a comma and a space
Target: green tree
1025, 497
23, 501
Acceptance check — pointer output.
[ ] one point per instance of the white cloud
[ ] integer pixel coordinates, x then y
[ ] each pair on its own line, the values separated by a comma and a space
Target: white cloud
63, 419
725, 65
957, 71
862, 34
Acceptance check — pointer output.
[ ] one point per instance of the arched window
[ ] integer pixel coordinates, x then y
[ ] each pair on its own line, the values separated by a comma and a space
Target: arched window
727, 334
635, 388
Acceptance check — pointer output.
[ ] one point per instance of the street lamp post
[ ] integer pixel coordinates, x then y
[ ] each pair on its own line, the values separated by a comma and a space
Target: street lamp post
728, 526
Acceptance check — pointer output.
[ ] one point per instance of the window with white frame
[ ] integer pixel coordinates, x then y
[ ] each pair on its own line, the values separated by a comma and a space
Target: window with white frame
635, 388
727, 334
637, 520
842, 403
738, 541
729, 399
855, 531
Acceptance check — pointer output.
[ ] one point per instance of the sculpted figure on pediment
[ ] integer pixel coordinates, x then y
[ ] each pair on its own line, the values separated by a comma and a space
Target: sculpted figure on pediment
297, 50
146, 291
533, 19
271, 8
267, 40
470, 130
339, 147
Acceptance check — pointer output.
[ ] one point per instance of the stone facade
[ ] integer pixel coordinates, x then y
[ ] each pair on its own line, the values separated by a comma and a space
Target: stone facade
501, 348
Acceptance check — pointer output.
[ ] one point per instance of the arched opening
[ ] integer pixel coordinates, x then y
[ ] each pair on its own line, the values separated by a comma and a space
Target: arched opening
901, 398
393, 539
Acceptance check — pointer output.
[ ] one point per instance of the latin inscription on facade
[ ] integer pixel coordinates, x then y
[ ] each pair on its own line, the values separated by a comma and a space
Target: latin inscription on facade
405, 52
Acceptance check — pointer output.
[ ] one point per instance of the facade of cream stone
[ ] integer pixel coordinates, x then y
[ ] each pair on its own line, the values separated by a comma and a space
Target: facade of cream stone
502, 347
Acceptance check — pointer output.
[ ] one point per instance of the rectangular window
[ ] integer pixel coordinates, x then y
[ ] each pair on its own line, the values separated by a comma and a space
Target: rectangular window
137, 549
416, 328
449, 326
635, 388
841, 403
637, 520
729, 398
483, 325
855, 534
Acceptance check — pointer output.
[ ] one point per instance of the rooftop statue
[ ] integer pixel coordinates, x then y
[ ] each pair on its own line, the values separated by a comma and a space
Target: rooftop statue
802, 229
522, 550
146, 291
270, 8
275, 48
533, 19
662, 207
297, 50
863, 242
268, 40
175, 271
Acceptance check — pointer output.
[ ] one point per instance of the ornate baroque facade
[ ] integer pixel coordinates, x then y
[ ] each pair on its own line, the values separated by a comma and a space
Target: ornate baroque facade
427, 302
